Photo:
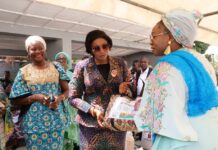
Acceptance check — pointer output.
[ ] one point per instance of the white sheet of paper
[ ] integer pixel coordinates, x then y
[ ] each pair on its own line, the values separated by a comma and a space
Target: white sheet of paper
122, 109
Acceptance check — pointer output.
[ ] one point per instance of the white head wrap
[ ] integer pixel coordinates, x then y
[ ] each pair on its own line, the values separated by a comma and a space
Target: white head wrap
32, 39
182, 25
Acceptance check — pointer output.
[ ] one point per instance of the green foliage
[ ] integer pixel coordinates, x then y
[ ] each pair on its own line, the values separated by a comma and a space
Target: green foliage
215, 65
209, 57
200, 47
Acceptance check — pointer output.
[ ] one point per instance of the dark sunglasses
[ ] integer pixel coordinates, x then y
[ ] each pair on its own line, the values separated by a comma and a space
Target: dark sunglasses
98, 48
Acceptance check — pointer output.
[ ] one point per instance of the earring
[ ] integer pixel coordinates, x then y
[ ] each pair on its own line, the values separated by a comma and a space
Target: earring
168, 49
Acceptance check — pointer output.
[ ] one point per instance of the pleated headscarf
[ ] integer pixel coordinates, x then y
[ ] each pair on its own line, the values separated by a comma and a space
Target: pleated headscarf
66, 56
182, 25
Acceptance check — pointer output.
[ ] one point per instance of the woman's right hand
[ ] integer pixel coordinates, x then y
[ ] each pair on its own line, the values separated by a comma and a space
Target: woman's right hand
41, 98
98, 114
137, 103
123, 88
100, 117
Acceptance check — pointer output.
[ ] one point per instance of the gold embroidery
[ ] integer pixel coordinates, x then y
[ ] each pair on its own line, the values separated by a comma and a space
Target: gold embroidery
35, 76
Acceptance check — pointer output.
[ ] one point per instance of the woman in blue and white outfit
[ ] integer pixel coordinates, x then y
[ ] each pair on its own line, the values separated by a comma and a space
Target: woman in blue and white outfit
40, 89
179, 103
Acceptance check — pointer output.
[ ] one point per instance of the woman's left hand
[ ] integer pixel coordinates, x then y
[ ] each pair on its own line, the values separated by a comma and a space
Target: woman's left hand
100, 117
56, 102
123, 88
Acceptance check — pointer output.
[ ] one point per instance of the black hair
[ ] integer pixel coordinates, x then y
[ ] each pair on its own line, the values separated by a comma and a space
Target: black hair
143, 57
135, 61
93, 35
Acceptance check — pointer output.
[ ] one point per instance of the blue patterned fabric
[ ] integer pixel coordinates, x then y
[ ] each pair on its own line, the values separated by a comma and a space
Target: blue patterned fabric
202, 92
39, 118
44, 141
62, 74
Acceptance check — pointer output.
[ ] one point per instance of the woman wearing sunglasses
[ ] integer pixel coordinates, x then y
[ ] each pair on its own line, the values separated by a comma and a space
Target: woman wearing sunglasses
95, 80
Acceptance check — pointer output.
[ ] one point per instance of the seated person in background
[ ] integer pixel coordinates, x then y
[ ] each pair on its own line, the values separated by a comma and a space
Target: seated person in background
6, 82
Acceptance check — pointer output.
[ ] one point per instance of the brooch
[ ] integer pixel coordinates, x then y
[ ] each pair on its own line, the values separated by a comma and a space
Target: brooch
114, 73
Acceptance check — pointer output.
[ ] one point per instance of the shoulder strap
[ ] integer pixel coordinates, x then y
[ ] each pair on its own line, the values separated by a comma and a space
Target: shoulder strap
149, 71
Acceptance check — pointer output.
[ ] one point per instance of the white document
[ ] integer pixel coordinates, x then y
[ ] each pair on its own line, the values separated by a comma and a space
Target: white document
122, 109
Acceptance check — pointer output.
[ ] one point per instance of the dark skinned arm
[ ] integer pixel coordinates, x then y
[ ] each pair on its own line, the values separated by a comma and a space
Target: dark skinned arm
30, 99
60, 98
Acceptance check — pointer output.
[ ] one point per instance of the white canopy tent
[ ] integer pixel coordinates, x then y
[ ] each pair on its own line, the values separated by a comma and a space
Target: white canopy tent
128, 22
148, 12
212, 50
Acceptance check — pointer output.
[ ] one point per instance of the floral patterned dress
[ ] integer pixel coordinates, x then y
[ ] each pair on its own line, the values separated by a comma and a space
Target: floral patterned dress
163, 110
6, 124
42, 127
89, 88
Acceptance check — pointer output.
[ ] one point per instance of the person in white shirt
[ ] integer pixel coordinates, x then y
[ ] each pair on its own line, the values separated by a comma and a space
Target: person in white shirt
142, 74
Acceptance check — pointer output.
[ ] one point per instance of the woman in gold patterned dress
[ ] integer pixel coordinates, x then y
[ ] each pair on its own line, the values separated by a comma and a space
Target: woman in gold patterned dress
40, 89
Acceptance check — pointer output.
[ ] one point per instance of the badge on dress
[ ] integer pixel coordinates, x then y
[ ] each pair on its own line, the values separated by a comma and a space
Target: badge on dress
114, 73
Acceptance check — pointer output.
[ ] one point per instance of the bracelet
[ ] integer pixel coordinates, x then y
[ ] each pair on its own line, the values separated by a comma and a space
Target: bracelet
92, 111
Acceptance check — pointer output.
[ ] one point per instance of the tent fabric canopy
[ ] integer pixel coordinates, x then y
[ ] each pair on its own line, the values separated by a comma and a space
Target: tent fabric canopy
148, 12
208, 26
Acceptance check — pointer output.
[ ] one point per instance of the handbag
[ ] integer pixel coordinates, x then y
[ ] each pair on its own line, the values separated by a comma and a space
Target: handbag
120, 113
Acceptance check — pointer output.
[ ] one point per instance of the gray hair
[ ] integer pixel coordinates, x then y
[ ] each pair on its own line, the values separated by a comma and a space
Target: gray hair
32, 39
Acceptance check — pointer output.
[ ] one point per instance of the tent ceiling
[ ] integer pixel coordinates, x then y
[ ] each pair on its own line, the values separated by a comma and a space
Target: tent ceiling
148, 12
127, 24
208, 26
127, 35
